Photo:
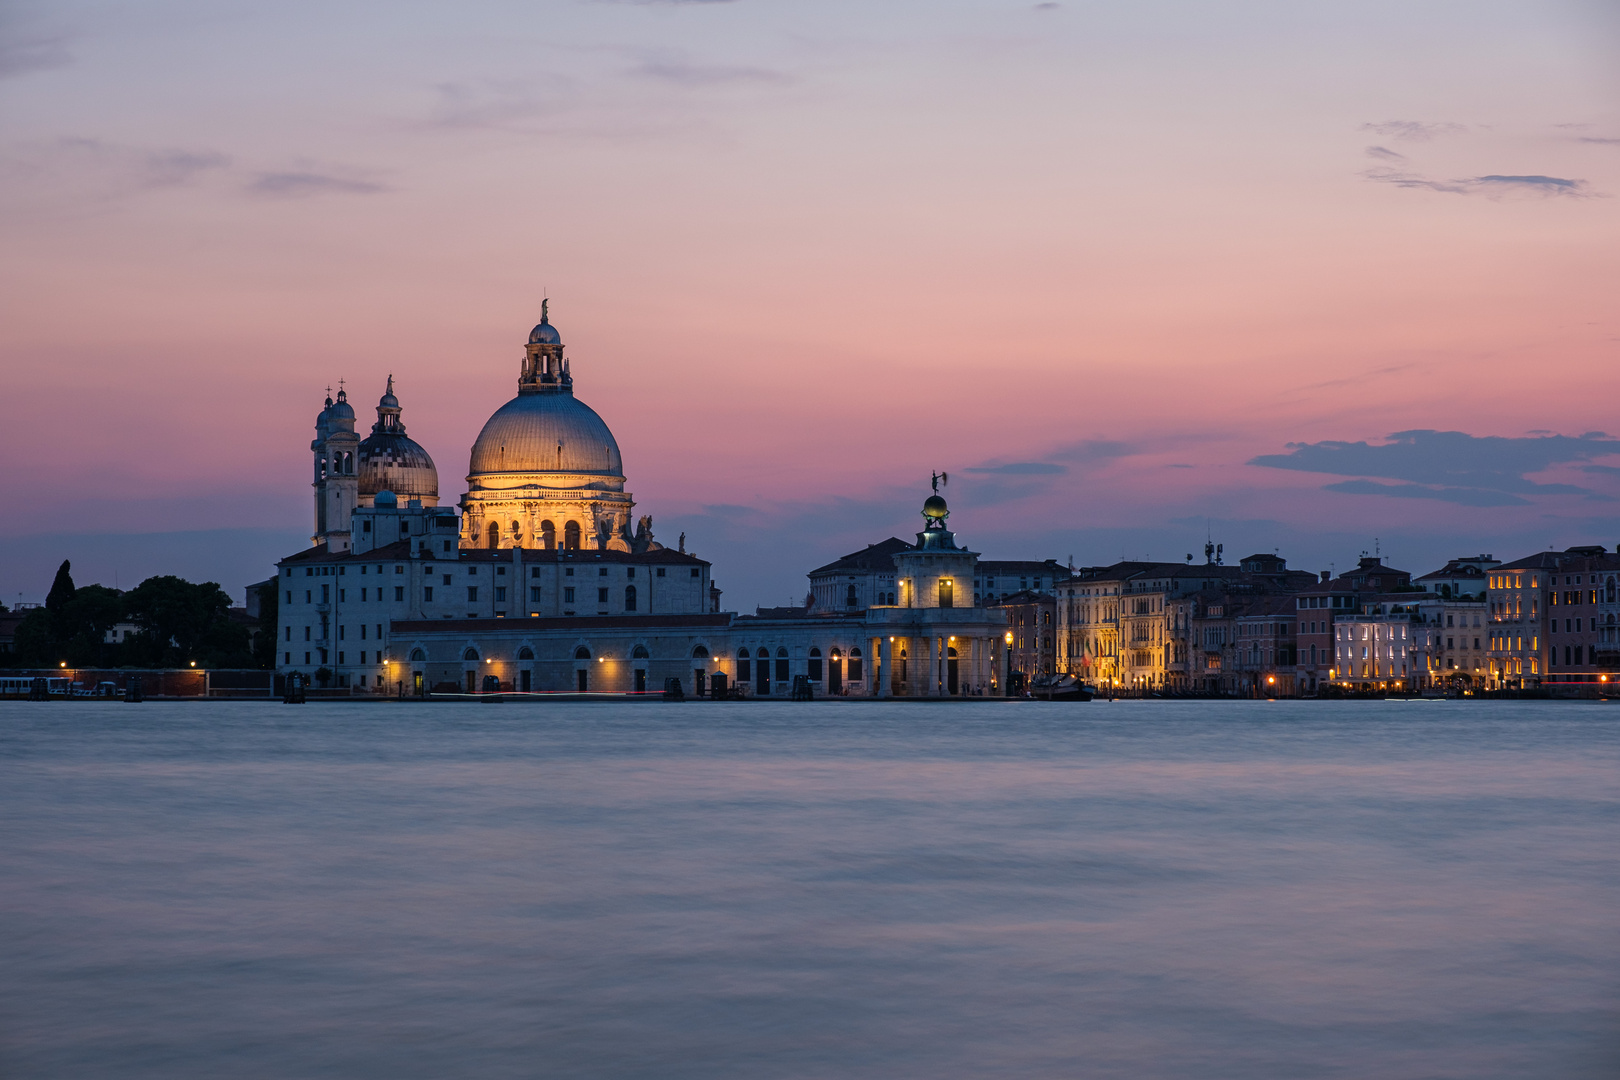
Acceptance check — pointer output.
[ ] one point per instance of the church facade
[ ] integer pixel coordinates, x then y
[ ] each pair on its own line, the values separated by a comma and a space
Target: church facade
541, 584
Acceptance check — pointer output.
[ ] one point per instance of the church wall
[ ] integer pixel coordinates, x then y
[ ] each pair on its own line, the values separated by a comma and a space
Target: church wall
446, 654
338, 609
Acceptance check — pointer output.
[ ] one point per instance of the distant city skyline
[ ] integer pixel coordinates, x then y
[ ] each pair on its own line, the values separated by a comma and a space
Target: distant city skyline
1291, 278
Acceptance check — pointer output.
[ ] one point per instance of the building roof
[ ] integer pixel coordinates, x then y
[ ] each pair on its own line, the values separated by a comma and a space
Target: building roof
1450, 571
1552, 560
1023, 597
1021, 567
400, 550
518, 624
1370, 575
879, 556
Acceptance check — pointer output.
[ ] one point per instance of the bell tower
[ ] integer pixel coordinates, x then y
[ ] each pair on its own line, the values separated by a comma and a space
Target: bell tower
336, 483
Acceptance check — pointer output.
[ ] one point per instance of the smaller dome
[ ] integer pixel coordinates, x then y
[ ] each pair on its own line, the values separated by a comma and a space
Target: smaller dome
385, 500
545, 334
341, 410
935, 508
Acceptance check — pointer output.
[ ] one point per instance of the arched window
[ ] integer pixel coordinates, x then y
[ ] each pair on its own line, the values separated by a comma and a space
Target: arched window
815, 665
571, 536
548, 535
629, 598
781, 665
836, 654
854, 673
742, 654
700, 652
849, 599
814, 651
418, 656
582, 653
494, 535
764, 654
1609, 591
471, 656
525, 653
640, 653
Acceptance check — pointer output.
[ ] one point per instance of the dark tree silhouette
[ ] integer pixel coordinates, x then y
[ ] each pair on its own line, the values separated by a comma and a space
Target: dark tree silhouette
61, 589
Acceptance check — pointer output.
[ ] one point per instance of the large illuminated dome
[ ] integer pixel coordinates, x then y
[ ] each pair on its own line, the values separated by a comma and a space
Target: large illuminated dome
545, 470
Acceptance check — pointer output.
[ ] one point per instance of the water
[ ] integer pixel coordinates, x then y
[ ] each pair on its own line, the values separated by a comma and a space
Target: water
1139, 890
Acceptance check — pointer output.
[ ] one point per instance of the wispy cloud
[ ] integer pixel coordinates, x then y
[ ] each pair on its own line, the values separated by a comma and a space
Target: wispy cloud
302, 185
20, 54
1495, 184
1020, 468
495, 103
1092, 450
99, 170
1451, 466
688, 74
1415, 130
1599, 141
1384, 153
1460, 496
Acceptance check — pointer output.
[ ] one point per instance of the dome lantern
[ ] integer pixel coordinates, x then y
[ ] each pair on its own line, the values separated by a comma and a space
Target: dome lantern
545, 368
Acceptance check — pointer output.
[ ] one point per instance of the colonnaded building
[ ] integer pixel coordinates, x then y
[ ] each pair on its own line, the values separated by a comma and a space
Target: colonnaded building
540, 582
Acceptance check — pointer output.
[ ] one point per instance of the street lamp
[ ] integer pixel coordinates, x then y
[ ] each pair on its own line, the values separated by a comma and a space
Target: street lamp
1007, 682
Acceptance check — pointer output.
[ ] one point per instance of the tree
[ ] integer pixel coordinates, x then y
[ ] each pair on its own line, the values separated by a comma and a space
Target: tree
82, 623
181, 622
61, 589
35, 644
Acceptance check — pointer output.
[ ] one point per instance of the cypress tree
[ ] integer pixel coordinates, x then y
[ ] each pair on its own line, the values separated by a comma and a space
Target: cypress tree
61, 589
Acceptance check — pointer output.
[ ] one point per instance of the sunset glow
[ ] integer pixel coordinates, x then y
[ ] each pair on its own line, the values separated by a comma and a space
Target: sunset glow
1109, 266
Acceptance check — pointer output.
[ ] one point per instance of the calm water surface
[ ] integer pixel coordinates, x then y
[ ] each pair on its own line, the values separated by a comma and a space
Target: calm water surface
1389, 890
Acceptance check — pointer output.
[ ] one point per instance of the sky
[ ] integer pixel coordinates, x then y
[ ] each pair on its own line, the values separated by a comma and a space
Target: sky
1317, 278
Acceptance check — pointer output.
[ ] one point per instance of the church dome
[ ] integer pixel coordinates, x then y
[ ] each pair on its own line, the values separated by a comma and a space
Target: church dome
546, 433
545, 334
392, 461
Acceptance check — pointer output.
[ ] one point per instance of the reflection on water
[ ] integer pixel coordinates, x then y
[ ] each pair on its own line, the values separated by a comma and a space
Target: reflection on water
826, 890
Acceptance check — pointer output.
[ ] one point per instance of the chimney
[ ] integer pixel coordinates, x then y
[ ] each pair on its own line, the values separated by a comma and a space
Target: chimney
1327, 575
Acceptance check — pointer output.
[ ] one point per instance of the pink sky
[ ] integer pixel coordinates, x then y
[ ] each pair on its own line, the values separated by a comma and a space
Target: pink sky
803, 254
